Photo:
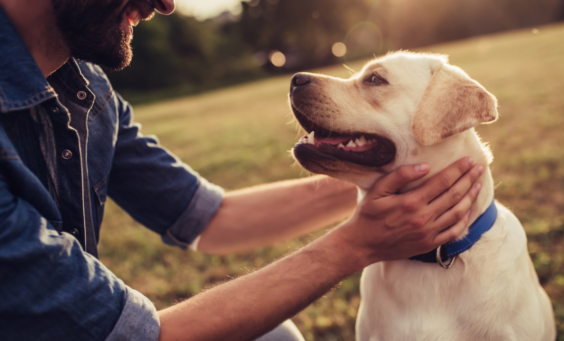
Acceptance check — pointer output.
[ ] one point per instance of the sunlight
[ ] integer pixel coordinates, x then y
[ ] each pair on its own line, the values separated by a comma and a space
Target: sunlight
203, 10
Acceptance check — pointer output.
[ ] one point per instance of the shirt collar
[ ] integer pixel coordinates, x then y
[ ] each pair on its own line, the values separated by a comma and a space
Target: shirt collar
22, 85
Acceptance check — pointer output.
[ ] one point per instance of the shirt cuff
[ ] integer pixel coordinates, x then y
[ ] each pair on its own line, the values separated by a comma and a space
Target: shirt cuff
138, 320
193, 221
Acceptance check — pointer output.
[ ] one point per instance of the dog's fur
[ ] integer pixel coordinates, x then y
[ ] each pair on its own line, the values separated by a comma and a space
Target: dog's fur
428, 109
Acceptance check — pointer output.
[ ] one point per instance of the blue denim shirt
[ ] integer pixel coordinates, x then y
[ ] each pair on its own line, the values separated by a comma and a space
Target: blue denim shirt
66, 143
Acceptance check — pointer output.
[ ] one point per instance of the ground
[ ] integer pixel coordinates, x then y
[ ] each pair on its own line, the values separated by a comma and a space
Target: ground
241, 136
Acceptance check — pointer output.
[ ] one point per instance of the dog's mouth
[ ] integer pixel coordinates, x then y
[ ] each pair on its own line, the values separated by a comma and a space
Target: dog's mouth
360, 148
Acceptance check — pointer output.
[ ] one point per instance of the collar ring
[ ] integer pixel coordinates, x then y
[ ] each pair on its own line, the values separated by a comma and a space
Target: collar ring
440, 261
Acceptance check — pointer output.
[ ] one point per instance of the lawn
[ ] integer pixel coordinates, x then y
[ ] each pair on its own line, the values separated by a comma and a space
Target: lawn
241, 136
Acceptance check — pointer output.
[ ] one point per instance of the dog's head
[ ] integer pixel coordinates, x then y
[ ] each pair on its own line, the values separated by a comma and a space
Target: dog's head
396, 108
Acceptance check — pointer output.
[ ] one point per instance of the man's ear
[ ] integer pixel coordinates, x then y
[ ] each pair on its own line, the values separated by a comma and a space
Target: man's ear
451, 103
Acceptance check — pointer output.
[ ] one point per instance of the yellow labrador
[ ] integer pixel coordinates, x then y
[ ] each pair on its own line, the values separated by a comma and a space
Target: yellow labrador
407, 108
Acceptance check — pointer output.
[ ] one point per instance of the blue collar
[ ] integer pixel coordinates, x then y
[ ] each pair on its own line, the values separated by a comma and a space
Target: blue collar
16, 64
482, 225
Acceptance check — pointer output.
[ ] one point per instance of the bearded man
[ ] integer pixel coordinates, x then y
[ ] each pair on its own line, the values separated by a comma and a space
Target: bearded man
68, 140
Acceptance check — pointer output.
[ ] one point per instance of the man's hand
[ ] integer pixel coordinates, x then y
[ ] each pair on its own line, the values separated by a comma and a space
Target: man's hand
390, 226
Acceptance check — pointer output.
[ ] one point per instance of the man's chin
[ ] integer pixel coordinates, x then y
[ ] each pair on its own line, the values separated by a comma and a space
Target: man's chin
119, 63
95, 33
114, 58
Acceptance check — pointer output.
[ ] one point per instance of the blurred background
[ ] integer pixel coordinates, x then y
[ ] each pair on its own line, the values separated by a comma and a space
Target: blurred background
214, 43
211, 81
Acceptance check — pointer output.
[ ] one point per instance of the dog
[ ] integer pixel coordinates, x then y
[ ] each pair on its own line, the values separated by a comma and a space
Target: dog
407, 108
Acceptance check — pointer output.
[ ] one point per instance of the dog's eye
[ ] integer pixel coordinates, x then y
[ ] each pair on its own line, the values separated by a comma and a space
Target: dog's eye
376, 80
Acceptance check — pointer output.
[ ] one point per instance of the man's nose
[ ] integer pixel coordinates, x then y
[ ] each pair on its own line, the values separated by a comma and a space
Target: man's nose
300, 79
164, 6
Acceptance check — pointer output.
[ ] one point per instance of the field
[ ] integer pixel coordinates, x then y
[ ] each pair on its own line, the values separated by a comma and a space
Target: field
241, 136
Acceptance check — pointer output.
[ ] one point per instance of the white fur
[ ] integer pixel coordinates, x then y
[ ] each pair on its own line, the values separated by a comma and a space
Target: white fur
492, 292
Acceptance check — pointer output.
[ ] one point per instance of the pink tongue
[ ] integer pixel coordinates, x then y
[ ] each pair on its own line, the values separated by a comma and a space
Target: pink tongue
332, 140
344, 140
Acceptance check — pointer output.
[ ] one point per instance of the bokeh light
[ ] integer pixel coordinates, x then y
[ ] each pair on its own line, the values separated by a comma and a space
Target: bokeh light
277, 58
339, 49
363, 39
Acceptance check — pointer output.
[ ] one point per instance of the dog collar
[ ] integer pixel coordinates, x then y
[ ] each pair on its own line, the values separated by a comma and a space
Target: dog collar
451, 249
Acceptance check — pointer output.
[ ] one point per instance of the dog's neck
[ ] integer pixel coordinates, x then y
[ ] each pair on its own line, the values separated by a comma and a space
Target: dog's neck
447, 152
443, 154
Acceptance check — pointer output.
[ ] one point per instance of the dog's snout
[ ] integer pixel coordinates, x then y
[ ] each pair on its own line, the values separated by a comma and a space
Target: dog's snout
300, 79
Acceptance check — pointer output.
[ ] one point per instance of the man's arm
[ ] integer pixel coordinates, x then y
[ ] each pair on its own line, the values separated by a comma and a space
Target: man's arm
51, 288
385, 226
266, 214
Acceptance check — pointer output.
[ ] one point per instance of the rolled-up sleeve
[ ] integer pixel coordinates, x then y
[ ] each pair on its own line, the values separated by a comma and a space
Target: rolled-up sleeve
195, 218
50, 289
156, 188
138, 319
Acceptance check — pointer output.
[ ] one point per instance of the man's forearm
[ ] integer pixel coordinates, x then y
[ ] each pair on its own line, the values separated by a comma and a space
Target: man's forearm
266, 214
250, 306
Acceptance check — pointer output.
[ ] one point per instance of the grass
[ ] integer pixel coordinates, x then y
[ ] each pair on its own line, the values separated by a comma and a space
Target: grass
240, 136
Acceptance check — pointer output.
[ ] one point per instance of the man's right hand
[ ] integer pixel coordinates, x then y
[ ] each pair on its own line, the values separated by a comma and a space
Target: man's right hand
389, 226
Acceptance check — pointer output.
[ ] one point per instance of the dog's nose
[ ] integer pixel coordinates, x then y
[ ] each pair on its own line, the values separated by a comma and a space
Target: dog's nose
300, 79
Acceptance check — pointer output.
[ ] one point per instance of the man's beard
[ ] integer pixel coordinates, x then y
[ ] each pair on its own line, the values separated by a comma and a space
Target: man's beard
93, 32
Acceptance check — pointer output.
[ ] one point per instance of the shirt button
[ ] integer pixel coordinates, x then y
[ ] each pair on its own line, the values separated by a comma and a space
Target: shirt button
67, 154
81, 95
55, 110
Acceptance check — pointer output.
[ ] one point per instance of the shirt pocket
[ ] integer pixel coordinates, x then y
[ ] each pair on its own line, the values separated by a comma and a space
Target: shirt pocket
100, 192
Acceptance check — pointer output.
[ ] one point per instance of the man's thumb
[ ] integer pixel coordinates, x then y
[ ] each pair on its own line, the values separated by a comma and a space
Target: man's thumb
391, 183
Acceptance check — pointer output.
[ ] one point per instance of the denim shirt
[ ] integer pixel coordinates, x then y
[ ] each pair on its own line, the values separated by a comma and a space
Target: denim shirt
66, 143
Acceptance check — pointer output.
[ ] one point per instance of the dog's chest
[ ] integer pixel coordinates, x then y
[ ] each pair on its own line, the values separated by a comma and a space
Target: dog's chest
411, 300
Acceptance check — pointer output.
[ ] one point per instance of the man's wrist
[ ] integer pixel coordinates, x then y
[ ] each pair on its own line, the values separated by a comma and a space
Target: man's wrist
346, 257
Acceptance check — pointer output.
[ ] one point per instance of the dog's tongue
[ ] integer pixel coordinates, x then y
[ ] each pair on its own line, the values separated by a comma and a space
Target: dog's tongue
335, 141
348, 143
332, 140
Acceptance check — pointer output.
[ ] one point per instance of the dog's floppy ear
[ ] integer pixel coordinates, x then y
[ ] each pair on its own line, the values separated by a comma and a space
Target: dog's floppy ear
451, 103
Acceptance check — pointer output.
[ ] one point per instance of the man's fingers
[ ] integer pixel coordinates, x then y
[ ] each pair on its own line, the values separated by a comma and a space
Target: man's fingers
391, 183
443, 180
452, 232
454, 194
457, 213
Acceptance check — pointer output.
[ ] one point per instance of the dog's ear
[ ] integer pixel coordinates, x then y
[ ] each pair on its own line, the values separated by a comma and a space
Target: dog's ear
451, 103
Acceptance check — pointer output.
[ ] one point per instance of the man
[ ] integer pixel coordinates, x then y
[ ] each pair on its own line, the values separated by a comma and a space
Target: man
67, 140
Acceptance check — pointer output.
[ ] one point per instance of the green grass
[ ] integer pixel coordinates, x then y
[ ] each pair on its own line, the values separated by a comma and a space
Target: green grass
240, 136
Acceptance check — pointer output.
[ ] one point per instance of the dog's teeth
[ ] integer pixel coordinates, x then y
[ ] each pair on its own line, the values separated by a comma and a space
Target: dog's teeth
361, 141
311, 138
351, 144
340, 145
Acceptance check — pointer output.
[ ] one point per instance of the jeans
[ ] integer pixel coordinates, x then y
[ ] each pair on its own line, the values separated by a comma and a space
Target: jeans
287, 331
